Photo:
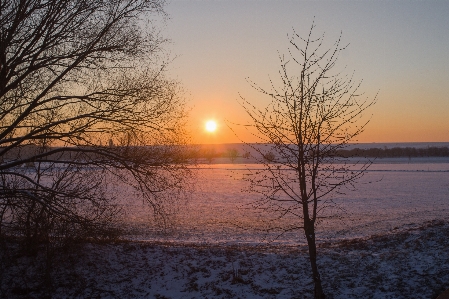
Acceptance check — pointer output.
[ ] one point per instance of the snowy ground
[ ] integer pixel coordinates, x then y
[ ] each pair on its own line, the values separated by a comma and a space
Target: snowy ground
393, 195
408, 264
391, 241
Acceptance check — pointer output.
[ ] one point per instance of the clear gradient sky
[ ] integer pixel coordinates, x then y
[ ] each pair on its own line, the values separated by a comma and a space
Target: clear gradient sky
399, 48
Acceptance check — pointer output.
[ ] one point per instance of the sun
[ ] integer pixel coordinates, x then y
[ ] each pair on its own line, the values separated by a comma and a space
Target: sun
211, 126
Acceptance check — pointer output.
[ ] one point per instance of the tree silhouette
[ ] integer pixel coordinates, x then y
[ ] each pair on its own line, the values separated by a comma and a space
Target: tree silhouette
232, 154
312, 114
84, 103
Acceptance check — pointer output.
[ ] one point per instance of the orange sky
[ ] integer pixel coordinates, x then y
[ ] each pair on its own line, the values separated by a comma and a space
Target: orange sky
398, 49
393, 118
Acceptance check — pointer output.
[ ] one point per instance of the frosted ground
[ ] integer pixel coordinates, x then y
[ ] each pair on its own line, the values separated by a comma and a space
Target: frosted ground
389, 240
411, 264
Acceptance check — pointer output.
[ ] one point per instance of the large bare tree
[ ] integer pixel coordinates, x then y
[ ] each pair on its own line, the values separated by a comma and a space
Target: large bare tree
84, 103
313, 113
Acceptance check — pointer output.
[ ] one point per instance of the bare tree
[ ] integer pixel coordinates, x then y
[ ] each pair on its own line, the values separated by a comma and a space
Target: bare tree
269, 157
312, 114
84, 103
246, 155
232, 154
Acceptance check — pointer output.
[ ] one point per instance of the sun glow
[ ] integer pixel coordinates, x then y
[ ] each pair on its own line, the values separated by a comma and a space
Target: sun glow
211, 126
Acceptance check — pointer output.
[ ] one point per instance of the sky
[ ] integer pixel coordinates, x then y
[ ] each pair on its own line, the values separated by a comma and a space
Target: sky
400, 49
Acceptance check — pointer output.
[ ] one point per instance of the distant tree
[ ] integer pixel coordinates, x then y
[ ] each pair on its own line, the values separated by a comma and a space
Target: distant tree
232, 154
75, 77
210, 154
269, 157
313, 113
246, 155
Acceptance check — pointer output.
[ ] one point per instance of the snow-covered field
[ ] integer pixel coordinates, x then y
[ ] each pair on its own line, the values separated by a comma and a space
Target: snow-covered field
390, 241
395, 194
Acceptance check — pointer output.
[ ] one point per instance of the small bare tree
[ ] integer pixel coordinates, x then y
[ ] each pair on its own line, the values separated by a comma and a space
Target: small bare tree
232, 154
313, 113
84, 104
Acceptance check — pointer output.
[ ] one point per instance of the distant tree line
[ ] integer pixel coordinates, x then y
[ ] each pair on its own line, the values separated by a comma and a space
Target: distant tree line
395, 152
210, 153
431, 151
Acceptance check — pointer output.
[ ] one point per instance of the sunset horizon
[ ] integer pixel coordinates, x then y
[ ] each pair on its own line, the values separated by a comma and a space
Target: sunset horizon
224, 149
396, 50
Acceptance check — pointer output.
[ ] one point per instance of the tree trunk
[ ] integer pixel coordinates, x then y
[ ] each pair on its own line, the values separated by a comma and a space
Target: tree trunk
309, 230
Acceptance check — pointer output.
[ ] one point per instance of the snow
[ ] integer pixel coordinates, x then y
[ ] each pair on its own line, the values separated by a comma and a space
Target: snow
409, 264
390, 197
392, 241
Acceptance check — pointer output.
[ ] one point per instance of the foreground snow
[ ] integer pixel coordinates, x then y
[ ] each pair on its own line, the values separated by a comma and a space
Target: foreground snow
408, 264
